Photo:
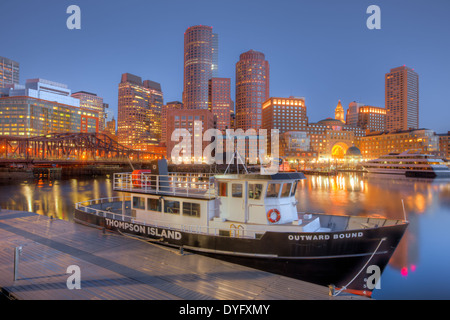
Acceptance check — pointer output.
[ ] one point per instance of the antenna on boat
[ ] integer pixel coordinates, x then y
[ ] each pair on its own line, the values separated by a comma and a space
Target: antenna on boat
237, 156
129, 161
404, 212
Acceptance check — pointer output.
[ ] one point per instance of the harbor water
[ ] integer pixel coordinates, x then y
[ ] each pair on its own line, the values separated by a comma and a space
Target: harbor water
417, 270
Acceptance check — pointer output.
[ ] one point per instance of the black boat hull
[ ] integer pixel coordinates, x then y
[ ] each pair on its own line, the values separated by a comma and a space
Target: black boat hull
340, 259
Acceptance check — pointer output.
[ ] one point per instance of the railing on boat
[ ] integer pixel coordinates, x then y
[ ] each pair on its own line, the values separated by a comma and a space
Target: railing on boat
201, 185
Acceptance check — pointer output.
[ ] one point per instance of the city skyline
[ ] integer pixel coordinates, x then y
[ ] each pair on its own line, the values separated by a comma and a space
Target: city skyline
323, 52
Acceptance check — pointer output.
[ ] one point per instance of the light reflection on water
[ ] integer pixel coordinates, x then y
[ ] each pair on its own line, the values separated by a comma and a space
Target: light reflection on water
418, 269
53, 198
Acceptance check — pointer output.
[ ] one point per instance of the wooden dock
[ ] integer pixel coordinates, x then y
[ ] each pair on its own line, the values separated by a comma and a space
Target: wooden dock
117, 267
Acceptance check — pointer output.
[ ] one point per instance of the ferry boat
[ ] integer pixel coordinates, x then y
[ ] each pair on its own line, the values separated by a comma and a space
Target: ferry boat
248, 219
410, 164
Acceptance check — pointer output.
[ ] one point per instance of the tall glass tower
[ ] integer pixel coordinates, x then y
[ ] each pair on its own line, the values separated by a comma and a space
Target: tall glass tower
402, 99
252, 89
139, 112
200, 63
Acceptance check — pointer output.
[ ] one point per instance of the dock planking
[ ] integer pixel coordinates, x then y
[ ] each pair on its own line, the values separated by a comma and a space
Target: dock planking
119, 267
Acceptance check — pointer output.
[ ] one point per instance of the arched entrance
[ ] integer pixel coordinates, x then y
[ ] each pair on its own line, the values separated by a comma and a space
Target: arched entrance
338, 151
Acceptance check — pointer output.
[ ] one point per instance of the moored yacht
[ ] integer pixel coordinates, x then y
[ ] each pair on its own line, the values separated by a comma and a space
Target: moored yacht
410, 164
249, 219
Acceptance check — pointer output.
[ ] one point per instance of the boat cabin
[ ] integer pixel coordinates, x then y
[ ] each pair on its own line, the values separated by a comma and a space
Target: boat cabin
205, 200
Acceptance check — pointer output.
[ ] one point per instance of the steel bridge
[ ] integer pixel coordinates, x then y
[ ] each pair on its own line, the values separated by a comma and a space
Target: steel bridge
69, 148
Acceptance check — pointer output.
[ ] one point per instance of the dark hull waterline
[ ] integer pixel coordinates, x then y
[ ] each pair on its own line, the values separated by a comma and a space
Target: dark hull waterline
339, 258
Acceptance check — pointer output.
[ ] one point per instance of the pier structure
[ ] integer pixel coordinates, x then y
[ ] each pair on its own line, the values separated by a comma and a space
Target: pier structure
42, 258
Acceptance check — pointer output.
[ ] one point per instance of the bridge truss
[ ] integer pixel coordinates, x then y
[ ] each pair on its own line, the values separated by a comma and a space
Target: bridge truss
70, 146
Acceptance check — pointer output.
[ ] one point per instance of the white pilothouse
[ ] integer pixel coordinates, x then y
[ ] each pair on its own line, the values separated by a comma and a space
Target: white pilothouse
244, 204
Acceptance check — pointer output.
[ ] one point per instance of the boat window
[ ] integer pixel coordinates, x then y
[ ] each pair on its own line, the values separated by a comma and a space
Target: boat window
171, 206
191, 209
273, 189
154, 204
254, 191
294, 189
138, 203
236, 190
223, 189
286, 190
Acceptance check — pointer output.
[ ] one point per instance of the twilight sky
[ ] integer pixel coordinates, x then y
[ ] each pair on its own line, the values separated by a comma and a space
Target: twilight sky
321, 50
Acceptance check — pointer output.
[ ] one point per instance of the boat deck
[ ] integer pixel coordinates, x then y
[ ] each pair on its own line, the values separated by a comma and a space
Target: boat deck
115, 267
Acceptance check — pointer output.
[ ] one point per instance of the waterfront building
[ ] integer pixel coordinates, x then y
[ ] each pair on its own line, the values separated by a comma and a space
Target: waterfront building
200, 61
139, 112
353, 158
91, 101
374, 145
220, 103
110, 129
444, 145
351, 118
43, 89
339, 112
331, 138
173, 105
215, 55
40, 107
184, 119
9, 72
30, 117
372, 118
402, 99
295, 149
284, 114
252, 89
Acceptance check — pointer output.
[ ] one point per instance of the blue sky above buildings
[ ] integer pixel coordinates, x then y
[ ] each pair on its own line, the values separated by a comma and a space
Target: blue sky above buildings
321, 49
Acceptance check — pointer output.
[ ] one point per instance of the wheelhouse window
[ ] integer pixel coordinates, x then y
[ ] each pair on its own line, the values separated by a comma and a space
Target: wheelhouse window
286, 190
154, 204
223, 189
139, 203
255, 191
191, 209
273, 189
236, 190
171, 206
294, 188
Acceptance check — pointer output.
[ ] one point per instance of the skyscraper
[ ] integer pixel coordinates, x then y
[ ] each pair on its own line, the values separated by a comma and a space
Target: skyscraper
200, 63
139, 112
352, 113
215, 55
91, 101
252, 89
220, 101
9, 72
402, 99
173, 105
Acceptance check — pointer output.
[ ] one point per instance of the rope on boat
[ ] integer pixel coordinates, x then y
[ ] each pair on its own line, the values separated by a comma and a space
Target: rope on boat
345, 287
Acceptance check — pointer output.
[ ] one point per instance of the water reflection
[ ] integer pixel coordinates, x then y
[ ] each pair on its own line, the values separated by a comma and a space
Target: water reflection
413, 269
53, 198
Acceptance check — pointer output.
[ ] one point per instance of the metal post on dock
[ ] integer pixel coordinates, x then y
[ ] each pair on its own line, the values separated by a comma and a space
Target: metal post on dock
17, 253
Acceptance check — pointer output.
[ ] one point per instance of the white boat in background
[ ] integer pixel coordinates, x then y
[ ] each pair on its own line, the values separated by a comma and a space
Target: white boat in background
410, 164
